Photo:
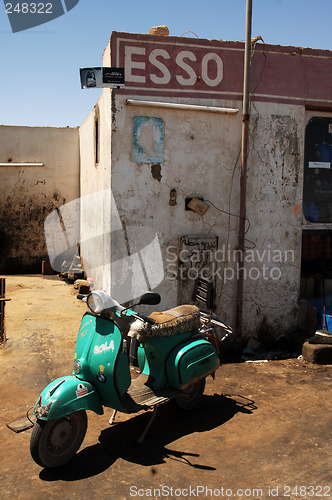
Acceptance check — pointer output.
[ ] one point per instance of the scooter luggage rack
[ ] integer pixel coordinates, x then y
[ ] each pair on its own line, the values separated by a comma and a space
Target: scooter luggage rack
207, 317
208, 320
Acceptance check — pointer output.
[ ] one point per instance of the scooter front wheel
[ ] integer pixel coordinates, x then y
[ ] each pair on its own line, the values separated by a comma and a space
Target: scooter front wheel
54, 442
190, 397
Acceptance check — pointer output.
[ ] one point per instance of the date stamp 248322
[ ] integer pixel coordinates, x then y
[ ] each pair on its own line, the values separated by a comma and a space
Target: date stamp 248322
26, 15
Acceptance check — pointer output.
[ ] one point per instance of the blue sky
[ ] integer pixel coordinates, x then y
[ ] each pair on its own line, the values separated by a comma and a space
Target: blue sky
40, 83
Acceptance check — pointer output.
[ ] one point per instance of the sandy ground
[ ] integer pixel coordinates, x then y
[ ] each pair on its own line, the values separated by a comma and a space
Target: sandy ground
260, 431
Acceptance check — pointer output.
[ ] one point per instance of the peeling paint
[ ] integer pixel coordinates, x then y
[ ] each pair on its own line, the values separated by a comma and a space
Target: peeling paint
22, 241
114, 110
172, 197
156, 171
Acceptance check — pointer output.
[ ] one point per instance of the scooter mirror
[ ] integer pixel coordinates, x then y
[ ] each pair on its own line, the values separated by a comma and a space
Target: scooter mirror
150, 298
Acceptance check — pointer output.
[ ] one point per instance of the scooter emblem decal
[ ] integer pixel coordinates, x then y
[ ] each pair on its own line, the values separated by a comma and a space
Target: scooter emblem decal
104, 347
82, 334
81, 390
101, 376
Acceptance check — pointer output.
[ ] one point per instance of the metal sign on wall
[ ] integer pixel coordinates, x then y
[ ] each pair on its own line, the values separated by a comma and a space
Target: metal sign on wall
102, 77
190, 67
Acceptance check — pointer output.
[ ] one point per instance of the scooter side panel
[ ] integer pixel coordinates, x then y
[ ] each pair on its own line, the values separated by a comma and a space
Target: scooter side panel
154, 353
104, 362
66, 395
191, 361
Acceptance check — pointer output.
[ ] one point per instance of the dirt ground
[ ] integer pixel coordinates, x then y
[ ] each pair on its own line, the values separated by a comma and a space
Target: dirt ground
261, 430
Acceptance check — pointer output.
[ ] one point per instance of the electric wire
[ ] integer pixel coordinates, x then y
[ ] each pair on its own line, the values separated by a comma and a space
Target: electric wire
228, 213
33, 423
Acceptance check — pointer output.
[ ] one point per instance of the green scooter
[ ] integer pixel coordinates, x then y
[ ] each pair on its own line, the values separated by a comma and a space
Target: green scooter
175, 351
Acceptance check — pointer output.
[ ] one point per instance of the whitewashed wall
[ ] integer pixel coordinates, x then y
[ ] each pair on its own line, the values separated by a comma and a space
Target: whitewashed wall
30, 193
95, 192
201, 157
274, 208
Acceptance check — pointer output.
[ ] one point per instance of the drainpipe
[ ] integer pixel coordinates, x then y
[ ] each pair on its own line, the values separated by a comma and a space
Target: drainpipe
243, 184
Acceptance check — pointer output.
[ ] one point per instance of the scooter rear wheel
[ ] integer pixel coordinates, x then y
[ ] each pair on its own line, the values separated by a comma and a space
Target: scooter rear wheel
190, 397
54, 442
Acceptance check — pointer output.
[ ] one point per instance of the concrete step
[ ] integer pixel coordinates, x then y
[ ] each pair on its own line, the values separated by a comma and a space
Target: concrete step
317, 353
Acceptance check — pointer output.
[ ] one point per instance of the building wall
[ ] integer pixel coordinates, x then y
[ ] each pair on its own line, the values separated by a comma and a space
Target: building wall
274, 208
95, 151
30, 193
201, 158
192, 166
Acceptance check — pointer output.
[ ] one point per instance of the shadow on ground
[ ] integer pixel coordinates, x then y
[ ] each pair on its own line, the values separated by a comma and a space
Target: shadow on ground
171, 424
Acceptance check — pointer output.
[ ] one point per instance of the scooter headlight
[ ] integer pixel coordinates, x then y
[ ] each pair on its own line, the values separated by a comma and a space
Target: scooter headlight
77, 367
97, 301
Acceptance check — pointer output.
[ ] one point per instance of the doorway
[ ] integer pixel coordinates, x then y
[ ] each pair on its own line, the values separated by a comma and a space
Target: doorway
316, 259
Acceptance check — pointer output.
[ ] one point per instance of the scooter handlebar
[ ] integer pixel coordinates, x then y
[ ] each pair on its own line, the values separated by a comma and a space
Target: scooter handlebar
146, 319
81, 297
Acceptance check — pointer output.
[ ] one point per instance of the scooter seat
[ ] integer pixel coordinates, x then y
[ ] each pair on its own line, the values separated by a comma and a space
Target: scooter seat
180, 319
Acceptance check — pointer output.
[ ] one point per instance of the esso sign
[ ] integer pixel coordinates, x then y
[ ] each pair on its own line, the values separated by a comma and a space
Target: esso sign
164, 66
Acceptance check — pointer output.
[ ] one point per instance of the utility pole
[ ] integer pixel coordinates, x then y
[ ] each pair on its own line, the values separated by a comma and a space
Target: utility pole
244, 157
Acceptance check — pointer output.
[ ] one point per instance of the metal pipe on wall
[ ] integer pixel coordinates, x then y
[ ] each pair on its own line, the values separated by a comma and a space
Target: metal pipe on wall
243, 182
182, 106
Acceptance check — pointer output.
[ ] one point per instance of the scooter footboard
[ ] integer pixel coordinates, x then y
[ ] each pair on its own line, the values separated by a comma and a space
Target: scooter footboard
191, 361
66, 395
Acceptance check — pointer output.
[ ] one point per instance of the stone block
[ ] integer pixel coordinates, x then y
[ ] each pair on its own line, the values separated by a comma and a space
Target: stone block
47, 268
317, 353
85, 289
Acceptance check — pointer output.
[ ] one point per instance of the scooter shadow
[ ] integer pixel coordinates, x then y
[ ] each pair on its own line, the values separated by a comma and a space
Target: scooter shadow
170, 424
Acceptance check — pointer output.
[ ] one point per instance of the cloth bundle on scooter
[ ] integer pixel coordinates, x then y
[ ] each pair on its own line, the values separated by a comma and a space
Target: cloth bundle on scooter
180, 319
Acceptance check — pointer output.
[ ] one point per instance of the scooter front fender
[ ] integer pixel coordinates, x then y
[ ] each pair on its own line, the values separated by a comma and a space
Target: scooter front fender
66, 395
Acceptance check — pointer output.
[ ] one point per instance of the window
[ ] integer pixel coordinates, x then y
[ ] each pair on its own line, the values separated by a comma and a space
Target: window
317, 188
316, 265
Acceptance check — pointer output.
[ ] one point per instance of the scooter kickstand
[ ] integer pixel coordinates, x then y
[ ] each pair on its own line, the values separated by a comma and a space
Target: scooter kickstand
142, 436
111, 420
